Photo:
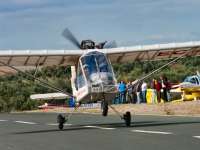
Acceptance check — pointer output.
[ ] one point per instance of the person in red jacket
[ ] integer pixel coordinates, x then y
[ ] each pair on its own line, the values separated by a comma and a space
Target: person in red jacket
158, 87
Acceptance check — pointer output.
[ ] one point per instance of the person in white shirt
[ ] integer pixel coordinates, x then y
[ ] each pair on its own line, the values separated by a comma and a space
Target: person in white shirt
144, 92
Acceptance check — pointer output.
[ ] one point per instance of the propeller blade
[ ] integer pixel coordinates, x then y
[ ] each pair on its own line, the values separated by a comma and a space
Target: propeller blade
68, 35
111, 44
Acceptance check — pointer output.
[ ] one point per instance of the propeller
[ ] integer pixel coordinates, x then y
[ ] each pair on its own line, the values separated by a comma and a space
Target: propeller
68, 35
111, 44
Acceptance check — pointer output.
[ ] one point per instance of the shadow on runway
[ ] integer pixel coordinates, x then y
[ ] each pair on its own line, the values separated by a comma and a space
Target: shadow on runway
109, 125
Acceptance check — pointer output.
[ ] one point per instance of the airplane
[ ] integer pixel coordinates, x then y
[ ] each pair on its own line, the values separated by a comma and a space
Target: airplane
92, 76
189, 88
52, 106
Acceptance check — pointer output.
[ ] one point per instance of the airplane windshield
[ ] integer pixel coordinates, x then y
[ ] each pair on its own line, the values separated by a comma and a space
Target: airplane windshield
93, 65
191, 80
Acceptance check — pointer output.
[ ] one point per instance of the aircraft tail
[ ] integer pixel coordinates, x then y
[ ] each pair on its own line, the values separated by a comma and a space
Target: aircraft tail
198, 74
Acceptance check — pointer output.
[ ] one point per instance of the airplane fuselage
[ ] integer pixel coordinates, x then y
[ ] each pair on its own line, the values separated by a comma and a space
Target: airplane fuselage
95, 79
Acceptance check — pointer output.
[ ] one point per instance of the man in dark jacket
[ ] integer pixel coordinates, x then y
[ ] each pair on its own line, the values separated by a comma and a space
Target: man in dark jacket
164, 87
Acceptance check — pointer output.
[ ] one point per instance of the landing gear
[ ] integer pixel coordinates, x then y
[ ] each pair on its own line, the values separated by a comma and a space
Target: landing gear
127, 118
61, 121
104, 108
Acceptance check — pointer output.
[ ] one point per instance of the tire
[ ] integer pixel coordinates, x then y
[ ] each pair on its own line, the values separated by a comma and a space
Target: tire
60, 122
104, 108
128, 118
58, 118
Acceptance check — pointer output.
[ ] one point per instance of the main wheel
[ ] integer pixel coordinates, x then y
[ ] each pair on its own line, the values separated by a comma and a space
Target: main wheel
104, 108
61, 121
127, 118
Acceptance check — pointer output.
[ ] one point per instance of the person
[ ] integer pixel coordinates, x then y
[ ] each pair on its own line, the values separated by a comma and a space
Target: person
138, 92
144, 91
114, 100
87, 75
86, 71
153, 90
122, 87
158, 87
193, 81
164, 87
168, 90
130, 92
103, 67
119, 99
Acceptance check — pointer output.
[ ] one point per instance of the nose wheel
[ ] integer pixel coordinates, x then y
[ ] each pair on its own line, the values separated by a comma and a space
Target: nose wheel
104, 108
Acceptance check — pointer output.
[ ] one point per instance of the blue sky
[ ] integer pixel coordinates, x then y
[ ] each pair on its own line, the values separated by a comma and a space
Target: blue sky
38, 24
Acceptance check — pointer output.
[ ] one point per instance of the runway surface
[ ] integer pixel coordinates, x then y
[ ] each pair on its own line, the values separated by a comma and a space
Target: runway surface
33, 131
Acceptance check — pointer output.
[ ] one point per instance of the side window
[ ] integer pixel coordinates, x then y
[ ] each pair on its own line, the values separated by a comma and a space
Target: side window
80, 79
192, 80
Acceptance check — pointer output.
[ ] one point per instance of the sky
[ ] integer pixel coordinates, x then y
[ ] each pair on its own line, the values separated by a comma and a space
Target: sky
38, 24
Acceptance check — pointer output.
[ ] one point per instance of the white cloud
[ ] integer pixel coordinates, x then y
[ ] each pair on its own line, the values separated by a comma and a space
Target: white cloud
35, 22
156, 36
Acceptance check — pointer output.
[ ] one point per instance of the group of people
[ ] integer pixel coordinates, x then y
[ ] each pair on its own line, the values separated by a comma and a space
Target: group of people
137, 93
156, 87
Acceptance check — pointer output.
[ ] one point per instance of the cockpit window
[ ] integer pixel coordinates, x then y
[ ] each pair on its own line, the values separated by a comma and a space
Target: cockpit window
97, 62
91, 63
191, 80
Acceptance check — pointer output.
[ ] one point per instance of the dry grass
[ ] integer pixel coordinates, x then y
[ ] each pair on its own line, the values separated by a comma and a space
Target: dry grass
191, 108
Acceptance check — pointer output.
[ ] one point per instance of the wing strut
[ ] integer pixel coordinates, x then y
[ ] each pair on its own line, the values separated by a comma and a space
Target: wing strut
149, 61
157, 70
60, 90
37, 67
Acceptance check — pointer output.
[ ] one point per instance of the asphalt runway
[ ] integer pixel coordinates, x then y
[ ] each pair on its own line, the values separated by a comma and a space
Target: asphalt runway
39, 131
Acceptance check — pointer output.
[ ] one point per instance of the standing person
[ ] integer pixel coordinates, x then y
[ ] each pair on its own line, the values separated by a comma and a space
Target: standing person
153, 90
114, 100
158, 87
164, 87
130, 92
168, 90
122, 86
138, 92
144, 91
119, 99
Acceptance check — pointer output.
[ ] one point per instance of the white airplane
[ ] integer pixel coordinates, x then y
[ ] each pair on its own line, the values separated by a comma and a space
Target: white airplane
52, 106
189, 88
92, 77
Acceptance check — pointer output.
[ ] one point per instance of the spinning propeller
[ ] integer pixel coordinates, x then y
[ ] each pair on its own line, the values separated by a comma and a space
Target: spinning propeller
87, 44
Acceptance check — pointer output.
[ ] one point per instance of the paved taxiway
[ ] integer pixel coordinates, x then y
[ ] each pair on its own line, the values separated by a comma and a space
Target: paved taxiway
33, 131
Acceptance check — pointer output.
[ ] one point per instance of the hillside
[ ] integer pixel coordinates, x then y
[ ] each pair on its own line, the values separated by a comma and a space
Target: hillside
15, 92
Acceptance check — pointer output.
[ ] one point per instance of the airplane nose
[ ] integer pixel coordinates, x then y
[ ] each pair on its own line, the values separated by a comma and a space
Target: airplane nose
104, 77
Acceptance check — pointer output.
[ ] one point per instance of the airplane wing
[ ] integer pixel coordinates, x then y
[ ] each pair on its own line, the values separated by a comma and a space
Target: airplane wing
152, 52
49, 96
121, 54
